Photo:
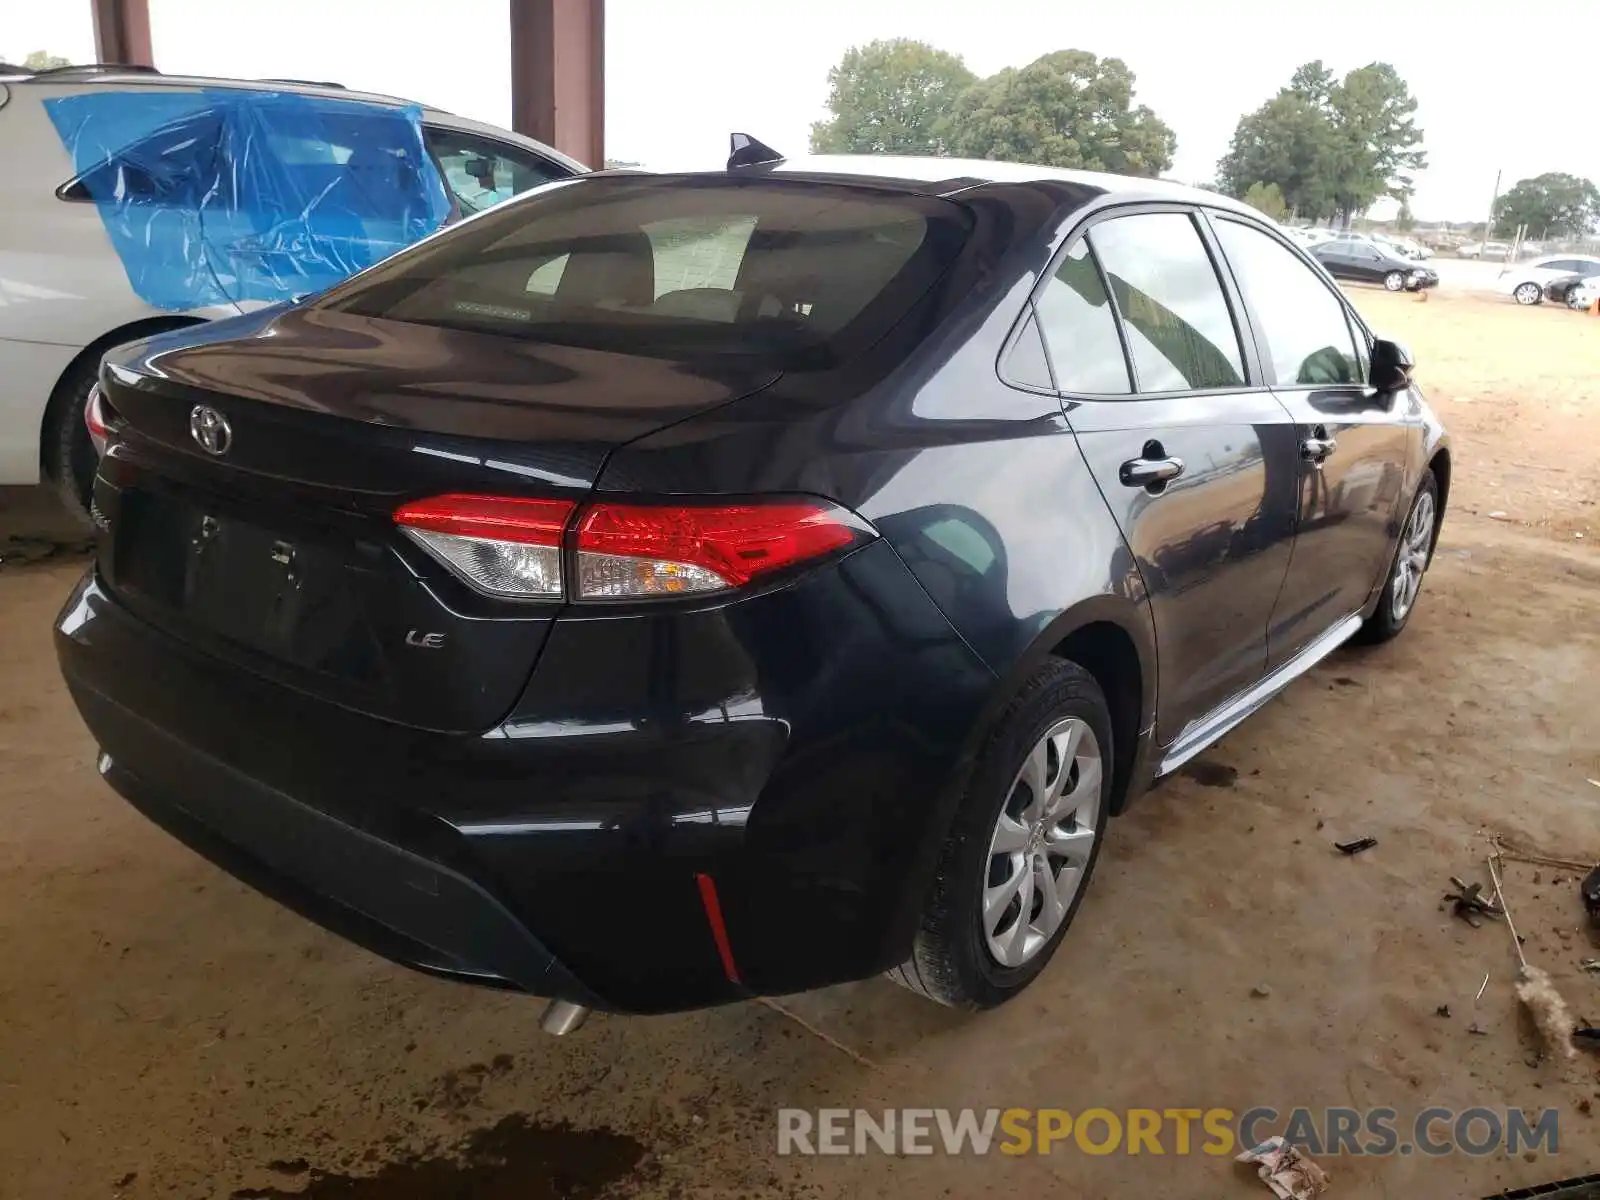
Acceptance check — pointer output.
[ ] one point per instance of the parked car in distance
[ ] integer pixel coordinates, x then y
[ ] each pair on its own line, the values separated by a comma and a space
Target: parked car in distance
1404, 246
1498, 250
136, 203
1526, 282
1584, 294
664, 589
1364, 261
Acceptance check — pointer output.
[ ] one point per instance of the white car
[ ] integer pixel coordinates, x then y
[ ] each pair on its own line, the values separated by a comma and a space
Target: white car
1526, 282
134, 203
1407, 247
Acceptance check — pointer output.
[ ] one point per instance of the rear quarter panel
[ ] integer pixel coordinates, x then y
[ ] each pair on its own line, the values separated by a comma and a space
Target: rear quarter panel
979, 487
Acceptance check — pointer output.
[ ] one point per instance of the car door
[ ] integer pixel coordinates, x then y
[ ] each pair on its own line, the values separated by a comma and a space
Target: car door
1196, 462
1367, 264
1353, 441
481, 171
1329, 255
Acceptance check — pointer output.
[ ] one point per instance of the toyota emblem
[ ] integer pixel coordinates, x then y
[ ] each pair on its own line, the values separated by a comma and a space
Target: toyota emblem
210, 429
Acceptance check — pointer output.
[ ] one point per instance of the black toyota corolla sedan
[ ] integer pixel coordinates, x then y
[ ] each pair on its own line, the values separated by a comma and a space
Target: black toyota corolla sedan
1365, 261
664, 589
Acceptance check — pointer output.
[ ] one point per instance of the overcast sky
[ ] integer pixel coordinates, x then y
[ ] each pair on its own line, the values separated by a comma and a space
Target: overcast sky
681, 74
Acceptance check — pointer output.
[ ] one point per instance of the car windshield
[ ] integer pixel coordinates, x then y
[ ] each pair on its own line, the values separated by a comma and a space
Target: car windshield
793, 273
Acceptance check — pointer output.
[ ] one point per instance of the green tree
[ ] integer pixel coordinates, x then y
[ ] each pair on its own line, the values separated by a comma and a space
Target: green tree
1552, 205
1332, 146
1066, 109
1288, 141
1404, 221
1267, 199
43, 60
1377, 145
890, 98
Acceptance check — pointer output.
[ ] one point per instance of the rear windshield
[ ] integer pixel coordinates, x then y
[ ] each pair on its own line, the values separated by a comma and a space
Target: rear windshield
798, 275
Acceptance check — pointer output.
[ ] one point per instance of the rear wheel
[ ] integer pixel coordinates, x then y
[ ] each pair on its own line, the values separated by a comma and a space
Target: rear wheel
1528, 293
1395, 281
69, 457
1023, 846
1410, 563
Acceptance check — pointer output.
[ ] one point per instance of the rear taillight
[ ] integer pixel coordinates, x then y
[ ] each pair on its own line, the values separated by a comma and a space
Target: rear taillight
515, 548
100, 418
667, 550
505, 547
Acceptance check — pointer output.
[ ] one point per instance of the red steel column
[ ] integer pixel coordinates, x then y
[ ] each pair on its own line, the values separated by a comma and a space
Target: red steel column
122, 32
558, 75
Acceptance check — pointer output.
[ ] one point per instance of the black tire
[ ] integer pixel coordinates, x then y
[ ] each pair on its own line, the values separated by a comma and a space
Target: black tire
1383, 624
1528, 293
950, 962
1395, 281
68, 456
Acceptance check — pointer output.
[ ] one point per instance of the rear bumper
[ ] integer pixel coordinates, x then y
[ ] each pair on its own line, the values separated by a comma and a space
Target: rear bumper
802, 749
376, 894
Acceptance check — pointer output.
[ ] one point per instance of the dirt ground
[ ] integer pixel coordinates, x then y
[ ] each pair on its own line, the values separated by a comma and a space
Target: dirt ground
166, 1032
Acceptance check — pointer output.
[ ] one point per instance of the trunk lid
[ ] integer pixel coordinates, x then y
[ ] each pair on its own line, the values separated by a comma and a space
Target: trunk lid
279, 552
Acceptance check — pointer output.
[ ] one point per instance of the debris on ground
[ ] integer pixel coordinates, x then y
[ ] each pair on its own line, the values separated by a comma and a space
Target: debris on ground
1477, 1029
1471, 903
1590, 964
1549, 1011
1586, 1037
1590, 890
1442, 1011
1261, 989
1287, 1171
1356, 846
1535, 988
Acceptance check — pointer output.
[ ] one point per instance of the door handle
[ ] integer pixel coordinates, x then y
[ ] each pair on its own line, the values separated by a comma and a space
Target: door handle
1154, 471
1318, 447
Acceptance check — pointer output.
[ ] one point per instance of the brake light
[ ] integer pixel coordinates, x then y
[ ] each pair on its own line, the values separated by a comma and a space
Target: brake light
506, 547
514, 548
666, 550
97, 416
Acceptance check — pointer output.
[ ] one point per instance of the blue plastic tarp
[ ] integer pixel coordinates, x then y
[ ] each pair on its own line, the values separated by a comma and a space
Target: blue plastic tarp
227, 195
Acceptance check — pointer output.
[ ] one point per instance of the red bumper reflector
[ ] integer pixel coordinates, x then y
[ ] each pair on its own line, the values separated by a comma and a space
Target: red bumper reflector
719, 931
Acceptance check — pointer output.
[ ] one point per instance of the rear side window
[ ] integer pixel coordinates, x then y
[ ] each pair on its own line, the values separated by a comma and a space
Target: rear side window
1303, 323
481, 172
1025, 363
174, 166
796, 274
1080, 329
1180, 331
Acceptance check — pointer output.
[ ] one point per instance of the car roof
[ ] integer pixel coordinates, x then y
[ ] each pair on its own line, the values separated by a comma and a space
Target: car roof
112, 74
933, 176
122, 77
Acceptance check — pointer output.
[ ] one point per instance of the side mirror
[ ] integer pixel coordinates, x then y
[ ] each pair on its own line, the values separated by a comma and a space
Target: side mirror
1391, 366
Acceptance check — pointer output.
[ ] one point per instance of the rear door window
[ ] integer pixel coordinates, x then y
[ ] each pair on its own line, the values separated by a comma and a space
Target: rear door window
797, 274
1180, 330
1300, 319
1080, 329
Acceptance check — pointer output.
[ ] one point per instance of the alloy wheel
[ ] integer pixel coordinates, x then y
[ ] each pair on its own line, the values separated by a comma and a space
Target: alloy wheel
1394, 281
1527, 293
1042, 842
1412, 560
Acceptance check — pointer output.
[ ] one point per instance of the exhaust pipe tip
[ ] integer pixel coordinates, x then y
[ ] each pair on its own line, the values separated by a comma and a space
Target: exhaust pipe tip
562, 1017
